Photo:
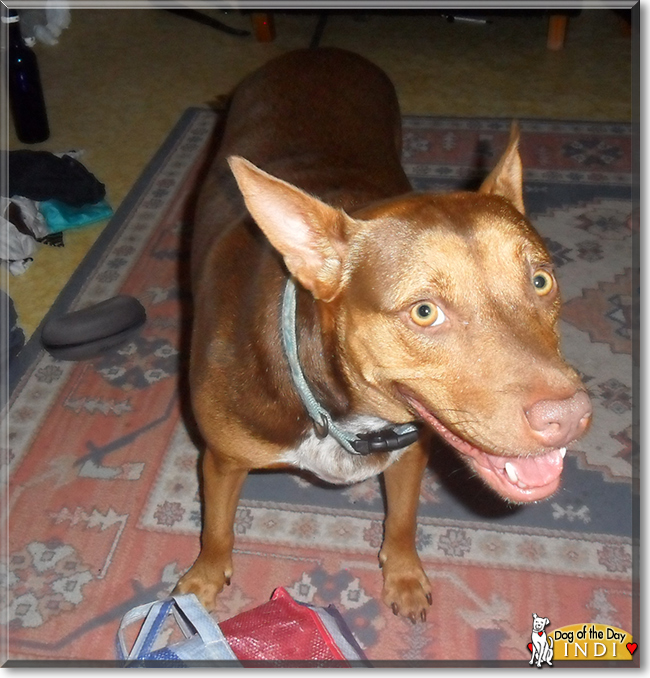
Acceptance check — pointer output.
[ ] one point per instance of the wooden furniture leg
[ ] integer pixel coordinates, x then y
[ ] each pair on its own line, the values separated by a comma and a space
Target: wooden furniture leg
557, 25
263, 26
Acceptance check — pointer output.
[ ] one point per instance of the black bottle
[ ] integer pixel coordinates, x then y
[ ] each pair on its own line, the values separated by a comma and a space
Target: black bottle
25, 92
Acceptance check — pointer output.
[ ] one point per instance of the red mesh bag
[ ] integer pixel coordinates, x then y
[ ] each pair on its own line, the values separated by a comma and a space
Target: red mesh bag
284, 630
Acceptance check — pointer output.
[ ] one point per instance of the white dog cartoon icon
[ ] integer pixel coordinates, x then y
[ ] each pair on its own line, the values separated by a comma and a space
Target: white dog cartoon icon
542, 651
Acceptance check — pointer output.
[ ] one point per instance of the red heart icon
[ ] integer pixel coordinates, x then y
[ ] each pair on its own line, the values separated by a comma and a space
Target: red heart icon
540, 633
632, 647
530, 646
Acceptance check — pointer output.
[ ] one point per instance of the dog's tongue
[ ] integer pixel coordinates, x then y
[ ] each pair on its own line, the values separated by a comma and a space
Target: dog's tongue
536, 471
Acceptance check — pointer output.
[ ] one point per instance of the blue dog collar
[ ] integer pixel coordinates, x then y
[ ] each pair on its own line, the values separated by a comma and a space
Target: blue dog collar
393, 438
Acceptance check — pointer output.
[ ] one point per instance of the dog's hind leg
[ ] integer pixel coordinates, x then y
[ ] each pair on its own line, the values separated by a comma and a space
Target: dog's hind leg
222, 483
406, 587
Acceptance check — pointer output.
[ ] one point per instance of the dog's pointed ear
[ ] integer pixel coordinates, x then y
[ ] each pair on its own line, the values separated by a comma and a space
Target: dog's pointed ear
506, 179
309, 234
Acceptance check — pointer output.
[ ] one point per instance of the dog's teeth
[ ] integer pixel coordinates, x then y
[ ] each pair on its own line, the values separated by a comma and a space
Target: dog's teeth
563, 451
512, 474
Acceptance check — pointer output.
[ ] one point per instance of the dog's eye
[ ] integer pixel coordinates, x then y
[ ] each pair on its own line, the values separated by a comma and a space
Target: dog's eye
426, 314
542, 282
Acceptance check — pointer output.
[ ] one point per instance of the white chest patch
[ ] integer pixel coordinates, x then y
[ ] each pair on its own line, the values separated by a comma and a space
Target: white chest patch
325, 458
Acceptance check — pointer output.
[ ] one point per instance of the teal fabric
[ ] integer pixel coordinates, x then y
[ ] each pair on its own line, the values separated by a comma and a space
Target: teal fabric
61, 216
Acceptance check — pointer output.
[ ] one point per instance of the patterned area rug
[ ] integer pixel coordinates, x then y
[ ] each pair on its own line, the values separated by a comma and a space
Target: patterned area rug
103, 492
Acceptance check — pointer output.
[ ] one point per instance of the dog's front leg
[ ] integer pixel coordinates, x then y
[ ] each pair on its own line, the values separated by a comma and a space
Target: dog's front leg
222, 482
406, 587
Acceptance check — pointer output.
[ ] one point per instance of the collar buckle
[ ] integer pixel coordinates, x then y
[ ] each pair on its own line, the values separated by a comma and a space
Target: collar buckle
386, 440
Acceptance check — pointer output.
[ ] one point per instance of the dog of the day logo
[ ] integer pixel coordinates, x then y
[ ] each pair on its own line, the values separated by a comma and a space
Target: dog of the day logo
578, 642
541, 645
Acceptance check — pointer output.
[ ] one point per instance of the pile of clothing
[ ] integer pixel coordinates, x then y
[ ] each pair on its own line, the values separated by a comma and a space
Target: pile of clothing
47, 194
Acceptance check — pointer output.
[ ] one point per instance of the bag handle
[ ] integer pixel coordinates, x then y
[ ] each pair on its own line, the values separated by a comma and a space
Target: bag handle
155, 614
199, 618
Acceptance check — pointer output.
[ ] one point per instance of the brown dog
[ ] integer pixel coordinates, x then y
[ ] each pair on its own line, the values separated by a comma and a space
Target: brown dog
436, 308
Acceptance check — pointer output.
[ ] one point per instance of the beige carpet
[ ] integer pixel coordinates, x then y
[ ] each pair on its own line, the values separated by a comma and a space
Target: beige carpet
119, 79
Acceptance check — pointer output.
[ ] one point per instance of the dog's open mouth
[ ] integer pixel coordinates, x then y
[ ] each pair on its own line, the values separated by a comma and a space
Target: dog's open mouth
518, 479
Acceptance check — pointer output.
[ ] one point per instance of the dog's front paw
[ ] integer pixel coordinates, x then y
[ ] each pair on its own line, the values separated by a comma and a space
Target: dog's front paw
407, 590
205, 580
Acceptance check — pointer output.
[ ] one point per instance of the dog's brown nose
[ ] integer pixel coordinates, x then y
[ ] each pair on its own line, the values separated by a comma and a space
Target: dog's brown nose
555, 423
